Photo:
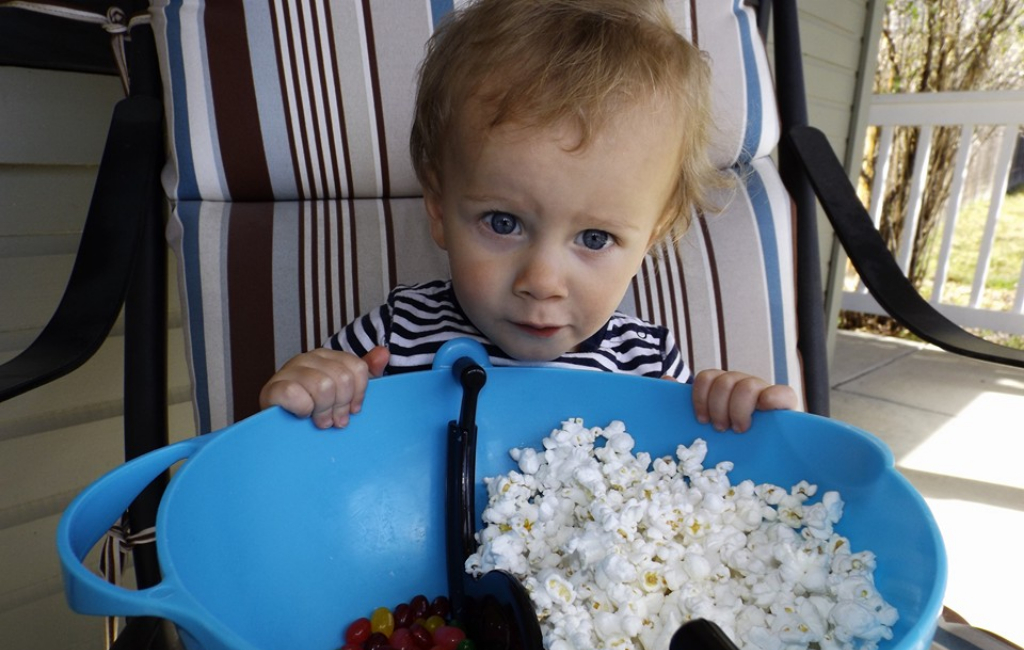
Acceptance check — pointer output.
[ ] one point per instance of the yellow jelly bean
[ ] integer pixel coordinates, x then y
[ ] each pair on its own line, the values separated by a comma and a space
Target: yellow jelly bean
383, 621
433, 622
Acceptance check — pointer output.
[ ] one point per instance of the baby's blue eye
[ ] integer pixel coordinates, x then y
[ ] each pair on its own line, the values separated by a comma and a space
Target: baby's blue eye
595, 240
502, 223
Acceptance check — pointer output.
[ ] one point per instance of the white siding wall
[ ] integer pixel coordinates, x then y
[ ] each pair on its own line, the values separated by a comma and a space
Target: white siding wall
59, 438
834, 43
833, 37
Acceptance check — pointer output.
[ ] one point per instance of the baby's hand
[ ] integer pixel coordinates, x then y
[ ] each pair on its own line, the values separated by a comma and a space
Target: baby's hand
327, 385
728, 399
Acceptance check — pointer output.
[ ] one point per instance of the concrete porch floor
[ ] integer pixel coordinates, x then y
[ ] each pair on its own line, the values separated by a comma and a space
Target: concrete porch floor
956, 428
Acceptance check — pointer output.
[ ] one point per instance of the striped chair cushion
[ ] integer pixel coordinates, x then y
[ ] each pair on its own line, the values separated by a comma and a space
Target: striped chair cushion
306, 268
296, 207
277, 101
728, 288
309, 267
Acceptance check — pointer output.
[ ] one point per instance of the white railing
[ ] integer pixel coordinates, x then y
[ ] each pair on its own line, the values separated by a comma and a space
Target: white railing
926, 111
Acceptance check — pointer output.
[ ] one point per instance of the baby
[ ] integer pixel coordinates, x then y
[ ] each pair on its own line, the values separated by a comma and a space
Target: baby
556, 142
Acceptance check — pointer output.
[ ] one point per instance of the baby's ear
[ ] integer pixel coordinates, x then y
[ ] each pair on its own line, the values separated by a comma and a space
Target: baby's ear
435, 211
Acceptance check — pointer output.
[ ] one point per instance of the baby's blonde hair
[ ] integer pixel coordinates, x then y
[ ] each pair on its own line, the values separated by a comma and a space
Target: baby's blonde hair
542, 62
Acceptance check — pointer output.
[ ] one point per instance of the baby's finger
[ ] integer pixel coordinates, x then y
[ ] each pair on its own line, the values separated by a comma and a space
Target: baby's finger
377, 360
743, 399
288, 394
778, 397
720, 399
702, 384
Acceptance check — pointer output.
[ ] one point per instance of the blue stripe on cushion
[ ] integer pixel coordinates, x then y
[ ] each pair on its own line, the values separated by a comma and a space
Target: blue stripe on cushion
187, 186
269, 100
188, 214
752, 136
770, 249
438, 9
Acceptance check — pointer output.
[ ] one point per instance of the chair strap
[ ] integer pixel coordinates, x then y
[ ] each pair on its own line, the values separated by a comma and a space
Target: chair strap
114, 22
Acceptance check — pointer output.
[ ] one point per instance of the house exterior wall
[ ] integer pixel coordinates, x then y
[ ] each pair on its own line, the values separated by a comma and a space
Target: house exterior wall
57, 439
837, 46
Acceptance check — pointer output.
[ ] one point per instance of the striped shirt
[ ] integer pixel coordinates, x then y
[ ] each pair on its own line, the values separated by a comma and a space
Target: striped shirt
417, 320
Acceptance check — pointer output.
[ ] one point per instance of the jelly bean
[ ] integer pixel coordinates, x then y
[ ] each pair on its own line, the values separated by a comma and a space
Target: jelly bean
358, 632
466, 644
376, 640
383, 621
350, 646
441, 607
432, 623
419, 606
402, 639
422, 636
448, 637
403, 615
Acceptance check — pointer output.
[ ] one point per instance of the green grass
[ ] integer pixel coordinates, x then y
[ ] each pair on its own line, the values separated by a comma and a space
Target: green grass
1004, 266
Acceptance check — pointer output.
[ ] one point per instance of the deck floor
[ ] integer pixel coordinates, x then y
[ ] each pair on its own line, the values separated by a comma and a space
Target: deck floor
956, 428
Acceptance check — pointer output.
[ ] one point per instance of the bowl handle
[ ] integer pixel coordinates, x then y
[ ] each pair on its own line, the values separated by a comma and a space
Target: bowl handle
459, 348
89, 517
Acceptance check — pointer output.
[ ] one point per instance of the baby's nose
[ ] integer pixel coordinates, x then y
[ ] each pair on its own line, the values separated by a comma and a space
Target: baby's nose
540, 277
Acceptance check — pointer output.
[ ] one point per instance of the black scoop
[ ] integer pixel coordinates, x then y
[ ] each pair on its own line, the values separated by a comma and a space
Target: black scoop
494, 608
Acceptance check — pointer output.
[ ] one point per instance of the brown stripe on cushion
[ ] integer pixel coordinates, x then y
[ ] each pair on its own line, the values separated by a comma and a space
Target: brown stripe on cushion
304, 278
662, 316
331, 268
349, 288
716, 285
693, 23
389, 232
371, 52
684, 296
250, 303
668, 248
323, 56
341, 126
306, 105
647, 274
234, 102
284, 45
317, 262
335, 313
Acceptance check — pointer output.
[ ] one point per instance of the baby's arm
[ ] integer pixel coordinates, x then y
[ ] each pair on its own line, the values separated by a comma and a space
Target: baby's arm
728, 399
327, 385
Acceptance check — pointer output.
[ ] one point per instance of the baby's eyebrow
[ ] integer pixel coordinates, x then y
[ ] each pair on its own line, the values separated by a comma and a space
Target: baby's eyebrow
611, 224
489, 198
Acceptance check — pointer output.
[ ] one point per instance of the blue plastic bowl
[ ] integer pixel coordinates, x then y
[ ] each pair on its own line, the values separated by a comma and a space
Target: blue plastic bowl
274, 534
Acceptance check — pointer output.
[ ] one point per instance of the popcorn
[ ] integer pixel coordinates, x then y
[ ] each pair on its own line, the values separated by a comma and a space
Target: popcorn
617, 550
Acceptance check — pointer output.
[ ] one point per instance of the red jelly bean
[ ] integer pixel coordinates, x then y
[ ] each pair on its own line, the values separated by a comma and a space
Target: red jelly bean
401, 639
419, 606
350, 646
441, 607
422, 636
403, 615
448, 637
358, 632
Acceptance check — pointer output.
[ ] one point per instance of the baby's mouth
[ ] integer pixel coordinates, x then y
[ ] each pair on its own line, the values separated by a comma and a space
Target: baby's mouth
542, 331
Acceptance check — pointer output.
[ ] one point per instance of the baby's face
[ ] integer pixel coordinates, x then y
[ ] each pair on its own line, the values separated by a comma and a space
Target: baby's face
543, 240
